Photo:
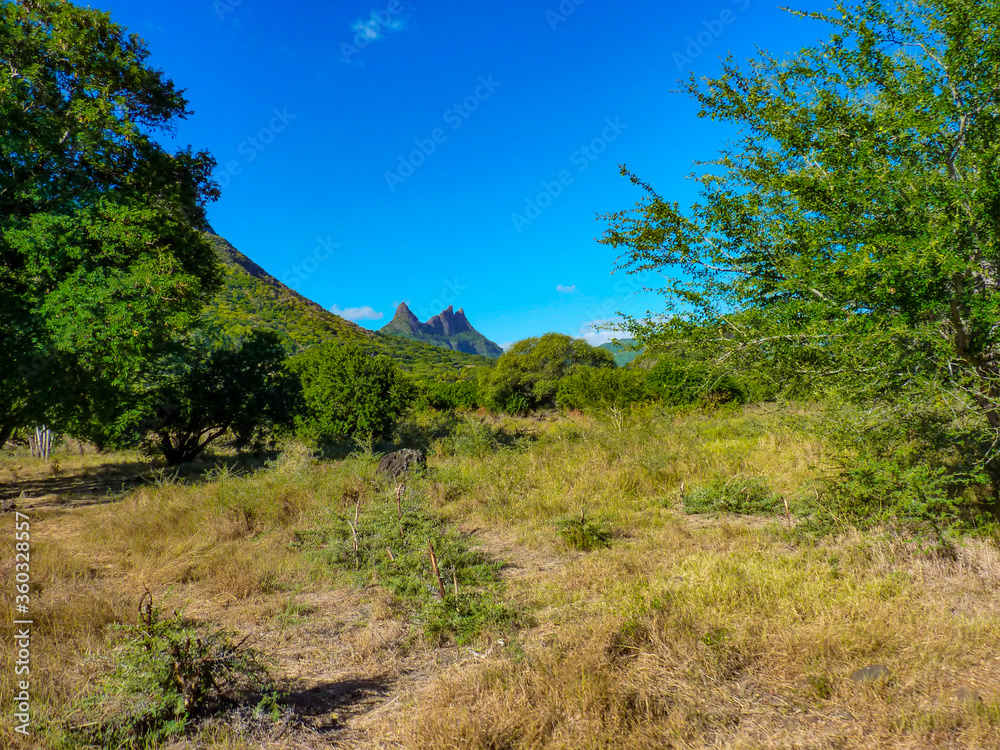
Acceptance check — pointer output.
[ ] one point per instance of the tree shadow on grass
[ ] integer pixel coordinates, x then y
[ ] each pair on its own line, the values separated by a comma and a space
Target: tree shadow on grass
105, 483
327, 705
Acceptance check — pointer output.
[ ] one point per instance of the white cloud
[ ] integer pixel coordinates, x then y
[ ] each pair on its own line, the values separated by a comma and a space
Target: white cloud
374, 27
358, 313
508, 345
565, 289
596, 338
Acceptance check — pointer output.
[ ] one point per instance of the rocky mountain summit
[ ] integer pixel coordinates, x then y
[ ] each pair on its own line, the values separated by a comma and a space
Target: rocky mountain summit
448, 328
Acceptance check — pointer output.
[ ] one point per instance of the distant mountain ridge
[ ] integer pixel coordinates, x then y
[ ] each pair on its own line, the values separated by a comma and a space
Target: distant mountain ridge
448, 329
252, 298
624, 351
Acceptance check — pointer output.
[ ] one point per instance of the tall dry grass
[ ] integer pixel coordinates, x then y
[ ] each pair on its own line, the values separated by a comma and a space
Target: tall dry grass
686, 632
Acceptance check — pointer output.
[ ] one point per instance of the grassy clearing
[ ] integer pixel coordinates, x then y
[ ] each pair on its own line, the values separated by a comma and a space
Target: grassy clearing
594, 608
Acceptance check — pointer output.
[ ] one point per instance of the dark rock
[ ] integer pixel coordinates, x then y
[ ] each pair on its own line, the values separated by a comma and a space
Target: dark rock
968, 695
395, 465
870, 673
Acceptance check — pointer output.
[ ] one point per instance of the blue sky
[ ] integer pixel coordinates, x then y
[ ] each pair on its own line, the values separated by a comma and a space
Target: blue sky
448, 152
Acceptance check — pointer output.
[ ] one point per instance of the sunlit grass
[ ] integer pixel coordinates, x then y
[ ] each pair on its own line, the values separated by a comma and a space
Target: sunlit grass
676, 630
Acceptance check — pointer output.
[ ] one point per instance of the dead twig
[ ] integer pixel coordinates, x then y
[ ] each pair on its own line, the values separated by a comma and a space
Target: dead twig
434, 565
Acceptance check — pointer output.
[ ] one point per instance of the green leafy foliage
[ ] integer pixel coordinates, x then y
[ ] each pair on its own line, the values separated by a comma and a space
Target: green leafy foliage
847, 236
392, 538
908, 463
473, 438
600, 389
527, 375
102, 258
585, 534
350, 393
164, 674
679, 383
739, 494
213, 387
459, 395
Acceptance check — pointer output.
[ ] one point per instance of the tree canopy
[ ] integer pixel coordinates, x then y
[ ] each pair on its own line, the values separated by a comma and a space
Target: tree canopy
350, 392
527, 375
102, 255
851, 229
213, 386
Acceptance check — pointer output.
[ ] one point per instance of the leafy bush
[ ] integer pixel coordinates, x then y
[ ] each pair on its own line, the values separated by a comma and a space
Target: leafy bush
527, 375
680, 383
745, 495
458, 395
599, 389
392, 538
350, 394
585, 534
872, 491
473, 438
213, 386
909, 462
165, 673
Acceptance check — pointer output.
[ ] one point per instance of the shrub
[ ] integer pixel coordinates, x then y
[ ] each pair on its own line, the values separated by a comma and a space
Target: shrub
680, 383
167, 672
600, 389
391, 538
460, 395
527, 375
745, 495
350, 394
473, 438
585, 534
907, 463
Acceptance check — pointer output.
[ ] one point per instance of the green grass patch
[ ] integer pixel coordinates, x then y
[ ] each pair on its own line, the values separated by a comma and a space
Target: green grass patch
743, 495
452, 590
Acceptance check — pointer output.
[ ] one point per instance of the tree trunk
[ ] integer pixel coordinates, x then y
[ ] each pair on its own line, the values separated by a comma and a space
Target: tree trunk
170, 453
6, 430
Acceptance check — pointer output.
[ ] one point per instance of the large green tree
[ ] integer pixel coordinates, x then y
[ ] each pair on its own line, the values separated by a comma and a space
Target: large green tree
102, 256
212, 387
852, 228
351, 393
527, 375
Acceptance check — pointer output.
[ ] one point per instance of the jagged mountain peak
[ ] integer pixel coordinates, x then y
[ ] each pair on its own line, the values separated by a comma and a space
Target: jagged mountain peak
448, 328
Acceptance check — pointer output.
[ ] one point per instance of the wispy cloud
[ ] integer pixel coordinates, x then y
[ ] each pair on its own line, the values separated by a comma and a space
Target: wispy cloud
371, 29
358, 313
374, 27
596, 338
565, 289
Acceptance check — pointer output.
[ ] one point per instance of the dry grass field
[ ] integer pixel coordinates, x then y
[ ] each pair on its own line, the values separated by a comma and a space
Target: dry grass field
613, 617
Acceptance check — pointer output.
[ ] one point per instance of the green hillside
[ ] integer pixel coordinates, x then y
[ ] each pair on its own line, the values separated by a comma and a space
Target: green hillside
252, 298
622, 351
